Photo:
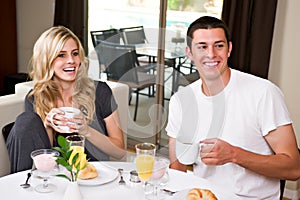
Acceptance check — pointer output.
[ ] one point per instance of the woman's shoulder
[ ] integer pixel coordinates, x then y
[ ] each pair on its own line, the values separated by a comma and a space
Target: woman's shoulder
100, 84
102, 87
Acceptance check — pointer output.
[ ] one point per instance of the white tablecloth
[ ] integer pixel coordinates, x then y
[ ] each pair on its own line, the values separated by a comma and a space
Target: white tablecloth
10, 186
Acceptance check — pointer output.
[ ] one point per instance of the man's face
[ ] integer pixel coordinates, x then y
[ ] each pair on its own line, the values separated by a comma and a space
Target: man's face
210, 51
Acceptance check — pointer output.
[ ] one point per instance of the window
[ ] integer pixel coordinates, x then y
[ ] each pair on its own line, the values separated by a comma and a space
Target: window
105, 14
117, 14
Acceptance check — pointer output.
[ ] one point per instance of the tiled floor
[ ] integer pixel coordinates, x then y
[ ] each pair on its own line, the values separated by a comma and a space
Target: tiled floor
143, 129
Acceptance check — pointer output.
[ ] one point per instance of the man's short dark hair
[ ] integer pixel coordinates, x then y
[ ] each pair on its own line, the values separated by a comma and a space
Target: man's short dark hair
206, 22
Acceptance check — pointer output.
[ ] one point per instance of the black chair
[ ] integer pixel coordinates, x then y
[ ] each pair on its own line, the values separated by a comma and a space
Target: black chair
185, 79
6, 130
136, 36
110, 35
133, 35
122, 65
282, 185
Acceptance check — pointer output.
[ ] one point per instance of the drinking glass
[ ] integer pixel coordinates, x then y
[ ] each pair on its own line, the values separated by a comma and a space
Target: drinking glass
159, 177
44, 161
77, 143
145, 153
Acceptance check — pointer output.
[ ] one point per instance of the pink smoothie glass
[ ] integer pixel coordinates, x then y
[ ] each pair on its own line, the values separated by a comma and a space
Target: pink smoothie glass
44, 160
159, 177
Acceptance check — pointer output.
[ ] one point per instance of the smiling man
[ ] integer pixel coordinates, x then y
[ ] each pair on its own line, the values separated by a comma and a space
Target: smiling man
240, 121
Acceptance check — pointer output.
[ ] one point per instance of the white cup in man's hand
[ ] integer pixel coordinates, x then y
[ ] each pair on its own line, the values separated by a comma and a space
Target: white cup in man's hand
70, 112
205, 148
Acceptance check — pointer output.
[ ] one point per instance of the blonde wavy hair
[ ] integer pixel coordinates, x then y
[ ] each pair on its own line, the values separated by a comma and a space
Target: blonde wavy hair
46, 92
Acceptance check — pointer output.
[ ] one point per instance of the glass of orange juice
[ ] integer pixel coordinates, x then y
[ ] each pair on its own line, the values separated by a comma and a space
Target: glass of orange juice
145, 153
77, 143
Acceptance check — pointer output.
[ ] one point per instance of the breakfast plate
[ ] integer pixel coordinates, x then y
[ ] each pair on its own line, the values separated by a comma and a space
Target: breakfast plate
105, 175
182, 194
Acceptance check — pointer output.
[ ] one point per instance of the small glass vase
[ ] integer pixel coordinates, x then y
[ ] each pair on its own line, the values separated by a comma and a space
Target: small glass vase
72, 191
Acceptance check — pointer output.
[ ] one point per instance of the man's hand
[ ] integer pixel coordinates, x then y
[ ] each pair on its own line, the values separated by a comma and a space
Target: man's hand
216, 152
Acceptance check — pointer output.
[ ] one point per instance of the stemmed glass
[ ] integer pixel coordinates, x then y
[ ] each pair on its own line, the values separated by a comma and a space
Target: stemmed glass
145, 153
44, 161
159, 177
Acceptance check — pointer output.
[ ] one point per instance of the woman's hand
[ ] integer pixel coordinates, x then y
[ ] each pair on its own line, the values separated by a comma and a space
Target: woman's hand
79, 124
54, 119
57, 121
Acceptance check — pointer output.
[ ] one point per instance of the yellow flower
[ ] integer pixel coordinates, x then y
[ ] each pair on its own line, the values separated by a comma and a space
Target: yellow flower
81, 157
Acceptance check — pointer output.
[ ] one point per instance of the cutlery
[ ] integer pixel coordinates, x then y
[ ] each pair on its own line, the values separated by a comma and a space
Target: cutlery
169, 192
26, 184
121, 181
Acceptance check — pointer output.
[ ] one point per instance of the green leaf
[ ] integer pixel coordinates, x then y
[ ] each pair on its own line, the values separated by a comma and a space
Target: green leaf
69, 168
63, 176
57, 149
62, 162
75, 158
64, 158
62, 141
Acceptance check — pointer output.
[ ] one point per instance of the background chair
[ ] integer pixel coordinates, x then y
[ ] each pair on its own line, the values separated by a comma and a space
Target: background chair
110, 35
122, 66
133, 35
6, 130
185, 79
10, 106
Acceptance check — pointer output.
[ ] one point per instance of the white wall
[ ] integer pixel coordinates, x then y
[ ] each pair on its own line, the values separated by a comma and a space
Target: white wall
33, 18
284, 65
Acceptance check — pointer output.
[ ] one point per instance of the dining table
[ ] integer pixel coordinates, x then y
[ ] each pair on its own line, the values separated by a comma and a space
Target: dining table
107, 185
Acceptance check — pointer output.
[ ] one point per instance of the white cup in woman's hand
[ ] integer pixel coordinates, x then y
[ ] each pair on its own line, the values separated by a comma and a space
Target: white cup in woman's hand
69, 113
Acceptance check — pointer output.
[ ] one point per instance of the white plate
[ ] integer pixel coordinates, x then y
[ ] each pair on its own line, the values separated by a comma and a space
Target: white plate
180, 195
105, 175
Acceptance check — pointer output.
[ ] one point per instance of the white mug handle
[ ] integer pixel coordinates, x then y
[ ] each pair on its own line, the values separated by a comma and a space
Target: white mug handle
51, 119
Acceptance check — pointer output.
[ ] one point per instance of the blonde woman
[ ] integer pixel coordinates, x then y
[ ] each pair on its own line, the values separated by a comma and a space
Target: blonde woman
59, 71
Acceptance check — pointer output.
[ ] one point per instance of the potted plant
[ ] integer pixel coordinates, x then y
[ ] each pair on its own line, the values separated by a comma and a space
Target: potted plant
73, 161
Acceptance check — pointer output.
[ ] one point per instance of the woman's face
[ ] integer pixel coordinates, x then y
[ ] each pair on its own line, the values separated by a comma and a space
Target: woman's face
67, 63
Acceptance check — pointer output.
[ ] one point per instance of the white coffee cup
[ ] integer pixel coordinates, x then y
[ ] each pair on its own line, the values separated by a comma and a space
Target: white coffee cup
187, 153
70, 112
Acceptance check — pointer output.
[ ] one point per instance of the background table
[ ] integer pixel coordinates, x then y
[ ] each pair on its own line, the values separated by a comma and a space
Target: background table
10, 186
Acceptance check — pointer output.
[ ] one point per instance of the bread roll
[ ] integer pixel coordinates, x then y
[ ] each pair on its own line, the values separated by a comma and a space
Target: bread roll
200, 194
89, 172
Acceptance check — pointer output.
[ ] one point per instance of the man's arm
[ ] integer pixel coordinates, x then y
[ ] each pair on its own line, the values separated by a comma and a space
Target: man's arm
175, 164
285, 164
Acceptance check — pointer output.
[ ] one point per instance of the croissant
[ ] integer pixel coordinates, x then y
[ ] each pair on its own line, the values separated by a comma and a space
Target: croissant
89, 172
200, 194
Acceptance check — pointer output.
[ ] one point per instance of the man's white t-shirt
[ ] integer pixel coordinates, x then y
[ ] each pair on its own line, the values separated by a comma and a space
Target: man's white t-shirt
242, 114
